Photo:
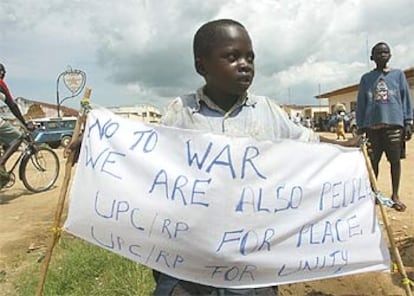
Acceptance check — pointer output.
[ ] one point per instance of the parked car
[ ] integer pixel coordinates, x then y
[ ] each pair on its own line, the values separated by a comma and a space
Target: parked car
55, 132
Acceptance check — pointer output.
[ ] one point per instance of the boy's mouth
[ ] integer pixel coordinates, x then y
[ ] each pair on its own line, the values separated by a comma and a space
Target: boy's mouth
244, 79
244, 83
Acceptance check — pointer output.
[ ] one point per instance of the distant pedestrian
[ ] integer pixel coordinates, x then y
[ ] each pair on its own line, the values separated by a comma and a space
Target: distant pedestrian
297, 118
308, 122
340, 126
385, 114
320, 124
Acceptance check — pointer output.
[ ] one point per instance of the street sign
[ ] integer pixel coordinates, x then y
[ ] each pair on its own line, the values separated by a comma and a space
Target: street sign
74, 80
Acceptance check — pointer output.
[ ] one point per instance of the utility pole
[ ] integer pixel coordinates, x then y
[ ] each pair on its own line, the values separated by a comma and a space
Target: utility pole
368, 53
289, 95
319, 93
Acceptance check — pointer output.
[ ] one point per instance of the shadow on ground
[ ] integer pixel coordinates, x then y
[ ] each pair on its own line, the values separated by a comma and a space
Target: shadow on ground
5, 197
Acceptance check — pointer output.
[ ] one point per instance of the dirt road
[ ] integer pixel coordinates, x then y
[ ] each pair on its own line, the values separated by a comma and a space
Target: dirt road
26, 220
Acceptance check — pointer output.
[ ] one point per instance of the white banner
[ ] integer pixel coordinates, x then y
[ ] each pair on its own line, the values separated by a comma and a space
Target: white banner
224, 211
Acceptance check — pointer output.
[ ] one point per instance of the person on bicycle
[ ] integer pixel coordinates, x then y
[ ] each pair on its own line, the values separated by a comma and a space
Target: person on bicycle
8, 133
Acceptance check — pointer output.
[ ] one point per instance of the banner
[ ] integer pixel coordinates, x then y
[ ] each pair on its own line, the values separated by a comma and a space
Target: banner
224, 211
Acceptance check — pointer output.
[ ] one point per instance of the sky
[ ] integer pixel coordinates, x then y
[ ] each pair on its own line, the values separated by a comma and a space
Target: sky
140, 51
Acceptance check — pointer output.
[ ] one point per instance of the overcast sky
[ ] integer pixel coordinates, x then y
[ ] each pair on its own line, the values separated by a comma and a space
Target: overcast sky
140, 51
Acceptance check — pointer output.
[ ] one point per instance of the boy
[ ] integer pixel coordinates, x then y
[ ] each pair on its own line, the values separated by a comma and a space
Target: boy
385, 114
224, 57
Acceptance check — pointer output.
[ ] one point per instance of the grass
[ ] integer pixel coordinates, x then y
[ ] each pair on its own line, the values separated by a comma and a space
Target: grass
78, 268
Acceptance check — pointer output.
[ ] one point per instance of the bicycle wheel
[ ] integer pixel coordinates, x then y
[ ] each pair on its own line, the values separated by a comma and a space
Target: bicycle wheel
40, 169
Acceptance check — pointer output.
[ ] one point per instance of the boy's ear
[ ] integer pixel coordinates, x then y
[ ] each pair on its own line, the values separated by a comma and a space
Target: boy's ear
371, 58
199, 67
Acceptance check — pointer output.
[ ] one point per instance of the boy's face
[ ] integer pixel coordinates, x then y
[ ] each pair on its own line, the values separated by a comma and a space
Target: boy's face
229, 68
381, 54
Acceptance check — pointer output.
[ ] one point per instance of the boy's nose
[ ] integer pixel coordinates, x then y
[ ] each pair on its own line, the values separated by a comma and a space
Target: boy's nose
245, 66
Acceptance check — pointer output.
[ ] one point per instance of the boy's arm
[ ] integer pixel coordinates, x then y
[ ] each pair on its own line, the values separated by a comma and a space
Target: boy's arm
406, 101
287, 129
353, 142
171, 113
361, 105
407, 107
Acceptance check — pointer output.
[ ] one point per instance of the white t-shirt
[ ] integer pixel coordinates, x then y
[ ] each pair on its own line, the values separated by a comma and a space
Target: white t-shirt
254, 116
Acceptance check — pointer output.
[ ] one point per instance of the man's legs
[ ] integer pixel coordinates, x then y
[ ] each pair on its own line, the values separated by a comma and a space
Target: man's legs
376, 149
4, 176
375, 152
395, 178
10, 137
393, 152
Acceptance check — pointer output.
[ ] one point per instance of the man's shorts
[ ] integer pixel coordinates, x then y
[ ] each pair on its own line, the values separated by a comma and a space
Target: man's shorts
8, 133
388, 140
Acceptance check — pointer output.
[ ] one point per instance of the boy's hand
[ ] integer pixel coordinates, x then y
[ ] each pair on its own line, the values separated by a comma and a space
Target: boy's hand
73, 146
30, 126
408, 132
353, 142
361, 131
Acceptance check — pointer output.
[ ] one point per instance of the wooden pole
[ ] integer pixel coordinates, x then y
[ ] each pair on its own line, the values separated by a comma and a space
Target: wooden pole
57, 229
394, 250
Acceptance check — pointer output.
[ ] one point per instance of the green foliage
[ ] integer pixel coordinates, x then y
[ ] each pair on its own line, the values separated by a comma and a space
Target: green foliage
79, 268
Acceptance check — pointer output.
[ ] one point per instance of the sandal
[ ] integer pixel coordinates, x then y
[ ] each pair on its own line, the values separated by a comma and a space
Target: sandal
399, 206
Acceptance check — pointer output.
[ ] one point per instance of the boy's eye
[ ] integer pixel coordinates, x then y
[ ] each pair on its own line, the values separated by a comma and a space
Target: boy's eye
231, 57
250, 58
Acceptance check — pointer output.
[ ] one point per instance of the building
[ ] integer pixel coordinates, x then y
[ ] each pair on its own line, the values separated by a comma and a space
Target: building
31, 109
348, 95
142, 112
35, 110
311, 111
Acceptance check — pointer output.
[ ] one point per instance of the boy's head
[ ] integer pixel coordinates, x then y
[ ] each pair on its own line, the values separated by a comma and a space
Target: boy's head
223, 55
381, 54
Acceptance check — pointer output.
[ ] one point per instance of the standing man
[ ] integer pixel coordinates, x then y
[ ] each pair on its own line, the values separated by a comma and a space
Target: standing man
384, 112
8, 133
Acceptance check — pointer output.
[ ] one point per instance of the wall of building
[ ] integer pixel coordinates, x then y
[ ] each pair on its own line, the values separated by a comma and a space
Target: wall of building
349, 100
145, 113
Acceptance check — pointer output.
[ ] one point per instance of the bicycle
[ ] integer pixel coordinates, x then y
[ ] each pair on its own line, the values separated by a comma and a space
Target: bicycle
38, 164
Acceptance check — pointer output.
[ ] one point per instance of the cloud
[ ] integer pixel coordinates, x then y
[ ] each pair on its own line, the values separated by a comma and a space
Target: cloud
141, 50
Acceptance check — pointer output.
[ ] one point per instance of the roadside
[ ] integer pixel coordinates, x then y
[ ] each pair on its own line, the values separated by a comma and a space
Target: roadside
26, 219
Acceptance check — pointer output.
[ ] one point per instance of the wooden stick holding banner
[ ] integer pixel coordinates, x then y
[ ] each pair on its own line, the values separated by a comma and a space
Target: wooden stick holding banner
394, 250
57, 229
